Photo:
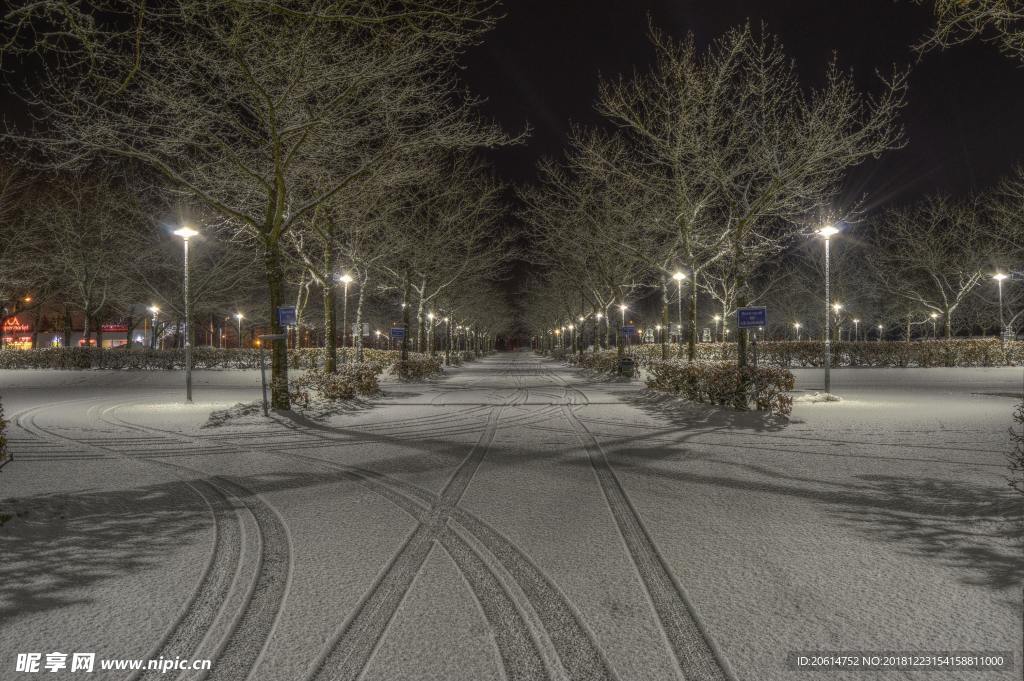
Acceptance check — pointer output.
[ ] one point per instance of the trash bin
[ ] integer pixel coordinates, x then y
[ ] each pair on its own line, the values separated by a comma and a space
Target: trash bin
627, 367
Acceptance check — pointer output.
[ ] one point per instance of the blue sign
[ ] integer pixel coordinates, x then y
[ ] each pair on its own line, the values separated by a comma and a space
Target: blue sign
628, 330
286, 316
752, 317
397, 332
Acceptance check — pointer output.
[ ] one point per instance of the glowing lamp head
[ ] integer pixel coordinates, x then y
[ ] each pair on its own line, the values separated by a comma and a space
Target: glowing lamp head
347, 279
828, 231
430, 316
796, 325
679, 276
600, 316
837, 307
999, 276
581, 319
623, 307
856, 321
717, 317
154, 309
186, 232
934, 315
239, 316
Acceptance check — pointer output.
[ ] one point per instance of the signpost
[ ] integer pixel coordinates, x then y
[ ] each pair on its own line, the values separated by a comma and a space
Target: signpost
751, 317
628, 330
286, 316
263, 365
397, 333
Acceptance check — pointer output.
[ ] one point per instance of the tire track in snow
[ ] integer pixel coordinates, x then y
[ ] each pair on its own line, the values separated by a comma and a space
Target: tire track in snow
240, 653
696, 653
352, 648
207, 600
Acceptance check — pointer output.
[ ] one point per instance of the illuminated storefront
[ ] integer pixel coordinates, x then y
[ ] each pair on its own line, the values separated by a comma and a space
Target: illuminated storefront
16, 334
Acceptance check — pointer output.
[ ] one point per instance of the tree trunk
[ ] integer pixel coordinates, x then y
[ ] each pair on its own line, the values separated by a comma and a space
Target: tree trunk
330, 330
406, 311
357, 338
67, 327
665, 328
691, 321
279, 355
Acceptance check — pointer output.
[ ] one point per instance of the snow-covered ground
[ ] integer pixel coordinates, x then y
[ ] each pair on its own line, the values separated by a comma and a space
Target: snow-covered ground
513, 520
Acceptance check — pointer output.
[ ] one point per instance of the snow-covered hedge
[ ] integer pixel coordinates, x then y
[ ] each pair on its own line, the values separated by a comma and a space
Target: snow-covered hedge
724, 383
1015, 458
3, 438
956, 352
606, 361
417, 367
349, 381
202, 358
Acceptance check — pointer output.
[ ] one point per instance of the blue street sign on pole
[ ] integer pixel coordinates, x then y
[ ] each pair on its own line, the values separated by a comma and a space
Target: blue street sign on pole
286, 316
397, 332
751, 317
628, 330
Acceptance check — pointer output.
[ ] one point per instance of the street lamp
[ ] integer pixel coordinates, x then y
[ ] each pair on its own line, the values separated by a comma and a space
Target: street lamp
796, 326
856, 329
826, 233
717, 319
1000, 277
346, 279
679, 276
597, 330
622, 309
934, 316
239, 316
187, 233
881, 328
447, 341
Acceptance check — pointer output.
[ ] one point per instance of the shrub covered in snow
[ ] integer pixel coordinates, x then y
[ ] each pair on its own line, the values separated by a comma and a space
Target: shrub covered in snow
417, 367
3, 437
202, 358
606, 361
1016, 458
349, 381
724, 383
956, 352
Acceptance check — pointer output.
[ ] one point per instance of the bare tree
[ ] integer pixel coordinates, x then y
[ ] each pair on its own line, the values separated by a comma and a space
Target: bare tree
995, 21
745, 153
231, 102
933, 254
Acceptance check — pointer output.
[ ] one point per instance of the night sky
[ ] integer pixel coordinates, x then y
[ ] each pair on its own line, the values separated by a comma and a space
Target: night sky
542, 63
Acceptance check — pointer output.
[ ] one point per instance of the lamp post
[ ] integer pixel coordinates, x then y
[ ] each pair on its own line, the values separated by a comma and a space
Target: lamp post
718, 333
827, 233
187, 233
582, 320
152, 339
856, 329
239, 316
999, 277
796, 328
934, 316
430, 335
881, 328
622, 309
679, 276
597, 331
345, 279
